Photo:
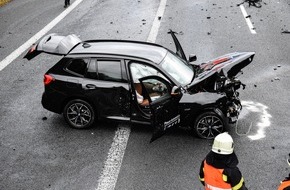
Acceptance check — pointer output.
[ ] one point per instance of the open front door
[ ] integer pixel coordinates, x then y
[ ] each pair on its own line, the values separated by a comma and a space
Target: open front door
179, 50
163, 104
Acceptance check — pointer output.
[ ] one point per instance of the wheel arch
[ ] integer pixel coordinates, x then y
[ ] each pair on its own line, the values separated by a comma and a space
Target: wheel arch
68, 99
205, 111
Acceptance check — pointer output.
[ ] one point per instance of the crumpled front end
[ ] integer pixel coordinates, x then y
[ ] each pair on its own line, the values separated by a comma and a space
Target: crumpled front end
219, 76
234, 107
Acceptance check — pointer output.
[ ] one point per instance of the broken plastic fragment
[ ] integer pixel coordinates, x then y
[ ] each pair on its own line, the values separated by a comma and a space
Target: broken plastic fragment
285, 32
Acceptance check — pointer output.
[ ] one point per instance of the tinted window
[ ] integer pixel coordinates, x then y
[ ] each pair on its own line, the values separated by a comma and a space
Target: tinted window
78, 66
109, 70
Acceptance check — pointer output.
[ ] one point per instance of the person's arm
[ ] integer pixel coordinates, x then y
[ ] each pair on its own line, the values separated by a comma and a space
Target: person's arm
234, 177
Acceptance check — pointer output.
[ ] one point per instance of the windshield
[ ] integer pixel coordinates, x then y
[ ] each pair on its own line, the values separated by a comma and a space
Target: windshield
177, 69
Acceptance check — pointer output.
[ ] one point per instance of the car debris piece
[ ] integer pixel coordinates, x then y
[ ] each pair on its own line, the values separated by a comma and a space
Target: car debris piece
285, 32
255, 3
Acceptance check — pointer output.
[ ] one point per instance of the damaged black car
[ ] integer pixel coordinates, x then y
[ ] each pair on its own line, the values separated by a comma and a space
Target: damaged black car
140, 82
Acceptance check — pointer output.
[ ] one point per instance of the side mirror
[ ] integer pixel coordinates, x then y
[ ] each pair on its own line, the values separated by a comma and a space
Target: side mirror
192, 58
175, 90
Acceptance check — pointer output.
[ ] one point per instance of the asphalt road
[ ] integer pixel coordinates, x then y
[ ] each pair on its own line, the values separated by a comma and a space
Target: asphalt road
39, 151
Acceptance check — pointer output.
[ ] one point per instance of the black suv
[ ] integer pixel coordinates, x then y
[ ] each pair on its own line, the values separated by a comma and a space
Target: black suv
140, 82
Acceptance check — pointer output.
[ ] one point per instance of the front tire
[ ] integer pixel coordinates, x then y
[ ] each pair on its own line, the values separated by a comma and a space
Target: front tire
79, 114
208, 125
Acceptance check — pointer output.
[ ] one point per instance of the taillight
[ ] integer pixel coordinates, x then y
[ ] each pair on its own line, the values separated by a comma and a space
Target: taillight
47, 79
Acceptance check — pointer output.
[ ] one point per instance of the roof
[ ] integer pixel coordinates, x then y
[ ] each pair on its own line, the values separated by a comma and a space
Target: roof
143, 50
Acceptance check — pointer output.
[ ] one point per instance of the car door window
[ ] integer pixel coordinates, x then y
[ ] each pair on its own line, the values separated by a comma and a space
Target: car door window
155, 88
138, 71
109, 70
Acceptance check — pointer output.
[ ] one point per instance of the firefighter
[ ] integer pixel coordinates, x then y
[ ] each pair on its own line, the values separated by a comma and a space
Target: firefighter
285, 184
219, 169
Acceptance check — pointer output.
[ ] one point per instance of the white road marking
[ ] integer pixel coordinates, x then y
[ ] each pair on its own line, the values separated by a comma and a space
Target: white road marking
248, 20
109, 176
156, 23
16, 53
112, 166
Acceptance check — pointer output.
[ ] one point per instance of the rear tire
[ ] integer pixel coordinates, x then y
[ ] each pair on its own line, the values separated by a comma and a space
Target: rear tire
208, 125
79, 114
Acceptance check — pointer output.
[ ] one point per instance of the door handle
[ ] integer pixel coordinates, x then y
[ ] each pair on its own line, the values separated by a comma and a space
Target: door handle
91, 86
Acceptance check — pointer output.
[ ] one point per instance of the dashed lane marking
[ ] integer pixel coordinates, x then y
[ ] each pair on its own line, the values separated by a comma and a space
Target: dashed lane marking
16, 53
114, 160
248, 20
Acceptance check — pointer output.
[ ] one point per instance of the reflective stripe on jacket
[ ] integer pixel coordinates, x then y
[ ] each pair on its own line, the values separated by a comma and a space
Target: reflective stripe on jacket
284, 185
214, 178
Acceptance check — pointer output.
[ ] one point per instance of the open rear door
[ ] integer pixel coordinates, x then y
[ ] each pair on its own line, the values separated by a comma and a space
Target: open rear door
163, 105
53, 44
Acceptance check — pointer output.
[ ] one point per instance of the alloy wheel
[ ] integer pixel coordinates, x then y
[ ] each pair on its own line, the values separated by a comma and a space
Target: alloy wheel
208, 126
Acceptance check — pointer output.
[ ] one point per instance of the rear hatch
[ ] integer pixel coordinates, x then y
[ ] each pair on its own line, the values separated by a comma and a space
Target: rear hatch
53, 44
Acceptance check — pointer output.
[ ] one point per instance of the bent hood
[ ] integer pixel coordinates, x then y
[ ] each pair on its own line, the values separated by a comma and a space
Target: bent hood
230, 64
53, 44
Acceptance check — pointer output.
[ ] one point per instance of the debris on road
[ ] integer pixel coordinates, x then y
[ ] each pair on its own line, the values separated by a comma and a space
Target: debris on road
255, 3
285, 32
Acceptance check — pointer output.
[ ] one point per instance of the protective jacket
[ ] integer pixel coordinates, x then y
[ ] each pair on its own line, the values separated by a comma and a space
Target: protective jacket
220, 172
285, 185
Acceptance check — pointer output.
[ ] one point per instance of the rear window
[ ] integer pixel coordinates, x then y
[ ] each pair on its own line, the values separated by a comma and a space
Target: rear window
78, 66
